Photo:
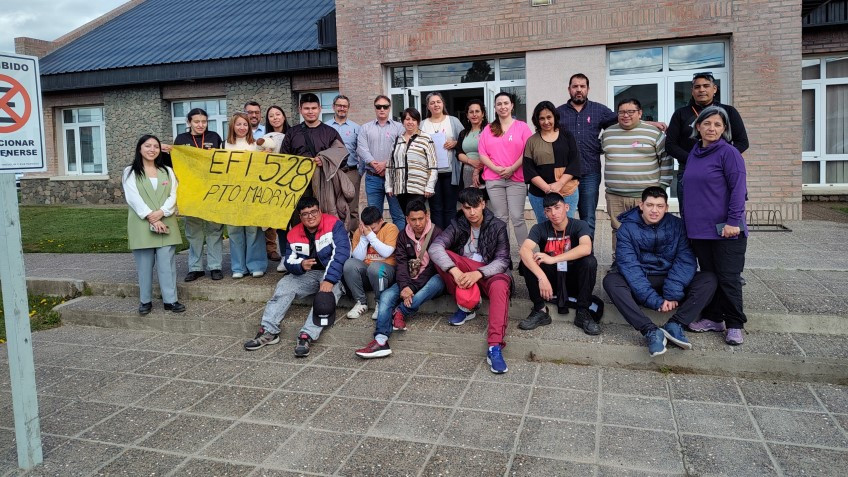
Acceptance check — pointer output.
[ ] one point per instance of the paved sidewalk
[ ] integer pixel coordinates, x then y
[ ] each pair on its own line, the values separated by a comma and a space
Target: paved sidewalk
118, 402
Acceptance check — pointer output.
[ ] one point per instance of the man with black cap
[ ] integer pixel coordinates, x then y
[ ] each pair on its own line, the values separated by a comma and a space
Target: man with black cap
315, 254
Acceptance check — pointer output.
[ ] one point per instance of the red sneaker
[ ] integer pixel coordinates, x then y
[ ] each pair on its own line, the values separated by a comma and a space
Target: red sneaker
398, 321
374, 350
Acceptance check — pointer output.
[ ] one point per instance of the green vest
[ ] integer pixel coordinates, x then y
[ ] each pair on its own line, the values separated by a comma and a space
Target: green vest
138, 230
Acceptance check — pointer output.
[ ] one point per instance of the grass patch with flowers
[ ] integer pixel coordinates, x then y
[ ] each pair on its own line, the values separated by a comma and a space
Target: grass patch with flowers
41, 314
64, 229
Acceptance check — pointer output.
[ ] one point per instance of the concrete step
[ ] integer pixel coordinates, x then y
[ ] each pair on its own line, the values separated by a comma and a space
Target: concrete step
259, 290
792, 355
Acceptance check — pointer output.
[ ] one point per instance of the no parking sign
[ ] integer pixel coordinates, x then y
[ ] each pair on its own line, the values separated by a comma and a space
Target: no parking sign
21, 123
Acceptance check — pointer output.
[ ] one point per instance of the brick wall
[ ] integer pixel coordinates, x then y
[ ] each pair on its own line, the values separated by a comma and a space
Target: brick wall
824, 40
765, 50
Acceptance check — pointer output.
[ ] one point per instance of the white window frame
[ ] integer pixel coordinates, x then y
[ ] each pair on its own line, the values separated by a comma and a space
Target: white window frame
666, 80
179, 124
819, 153
77, 147
415, 92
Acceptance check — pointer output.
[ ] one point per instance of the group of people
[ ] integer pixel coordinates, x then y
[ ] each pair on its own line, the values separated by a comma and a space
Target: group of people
428, 168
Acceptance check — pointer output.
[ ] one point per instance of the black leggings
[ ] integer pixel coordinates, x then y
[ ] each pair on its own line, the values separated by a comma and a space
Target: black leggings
725, 258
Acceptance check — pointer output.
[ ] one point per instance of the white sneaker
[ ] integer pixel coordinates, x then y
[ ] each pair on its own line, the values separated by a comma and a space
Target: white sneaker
258, 274
238, 275
357, 310
376, 309
281, 267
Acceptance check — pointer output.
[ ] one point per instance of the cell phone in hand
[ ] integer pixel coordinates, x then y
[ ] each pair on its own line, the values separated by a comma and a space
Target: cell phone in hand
720, 228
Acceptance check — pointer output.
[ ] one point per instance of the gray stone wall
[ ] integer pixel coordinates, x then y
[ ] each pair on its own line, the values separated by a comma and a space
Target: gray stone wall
265, 91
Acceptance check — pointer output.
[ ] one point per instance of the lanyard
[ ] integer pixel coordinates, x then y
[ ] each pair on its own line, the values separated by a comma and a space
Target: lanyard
202, 140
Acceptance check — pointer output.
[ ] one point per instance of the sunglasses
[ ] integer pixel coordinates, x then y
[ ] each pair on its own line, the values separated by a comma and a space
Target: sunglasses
382, 106
704, 74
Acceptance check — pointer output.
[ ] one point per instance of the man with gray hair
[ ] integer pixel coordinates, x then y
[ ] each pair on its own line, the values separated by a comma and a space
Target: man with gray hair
349, 131
679, 141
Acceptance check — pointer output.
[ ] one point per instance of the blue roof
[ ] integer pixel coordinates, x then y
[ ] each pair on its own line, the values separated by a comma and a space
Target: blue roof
174, 31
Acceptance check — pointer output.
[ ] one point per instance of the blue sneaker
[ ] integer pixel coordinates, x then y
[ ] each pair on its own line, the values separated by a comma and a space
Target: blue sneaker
459, 317
495, 360
674, 332
656, 342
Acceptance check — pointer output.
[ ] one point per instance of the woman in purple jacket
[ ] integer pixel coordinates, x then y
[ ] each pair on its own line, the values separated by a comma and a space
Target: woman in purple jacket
715, 220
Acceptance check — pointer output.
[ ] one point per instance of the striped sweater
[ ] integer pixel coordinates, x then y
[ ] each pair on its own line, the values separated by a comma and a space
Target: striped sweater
635, 159
412, 168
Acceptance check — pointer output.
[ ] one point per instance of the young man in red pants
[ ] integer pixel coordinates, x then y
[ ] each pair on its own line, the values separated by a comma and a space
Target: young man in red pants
472, 255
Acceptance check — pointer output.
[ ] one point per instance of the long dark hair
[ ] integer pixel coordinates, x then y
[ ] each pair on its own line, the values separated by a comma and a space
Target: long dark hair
137, 166
538, 112
268, 127
495, 126
478, 102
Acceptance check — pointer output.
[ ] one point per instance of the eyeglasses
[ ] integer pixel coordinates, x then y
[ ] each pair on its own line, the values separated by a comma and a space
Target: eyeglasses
341, 106
312, 213
382, 106
628, 112
704, 74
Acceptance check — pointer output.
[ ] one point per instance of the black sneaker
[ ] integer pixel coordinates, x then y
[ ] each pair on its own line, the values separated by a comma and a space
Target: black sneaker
217, 274
145, 308
302, 348
192, 276
583, 320
263, 338
175, 307
535, 319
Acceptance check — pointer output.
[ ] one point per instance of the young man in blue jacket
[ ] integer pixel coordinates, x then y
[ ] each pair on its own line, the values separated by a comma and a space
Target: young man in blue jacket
655, 268
316, 251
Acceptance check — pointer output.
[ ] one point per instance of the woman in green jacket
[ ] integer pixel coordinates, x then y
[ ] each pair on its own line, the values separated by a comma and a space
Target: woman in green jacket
150, 189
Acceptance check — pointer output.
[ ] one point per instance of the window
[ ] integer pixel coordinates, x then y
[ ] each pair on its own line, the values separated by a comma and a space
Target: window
824, 120
326, 98
660, 77
84, 137
216, 108
459, 82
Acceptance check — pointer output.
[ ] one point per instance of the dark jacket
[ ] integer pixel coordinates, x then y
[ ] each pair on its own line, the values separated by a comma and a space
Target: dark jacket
660, 249
678, 142
404, 252
493, 244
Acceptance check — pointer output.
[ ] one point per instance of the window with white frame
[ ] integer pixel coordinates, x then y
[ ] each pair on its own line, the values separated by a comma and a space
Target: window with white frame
216, 108
84, 139
326, 98
824, 119
660, 77
459, 82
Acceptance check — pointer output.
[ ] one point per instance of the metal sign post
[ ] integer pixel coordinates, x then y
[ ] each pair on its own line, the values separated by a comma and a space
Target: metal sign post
21, 150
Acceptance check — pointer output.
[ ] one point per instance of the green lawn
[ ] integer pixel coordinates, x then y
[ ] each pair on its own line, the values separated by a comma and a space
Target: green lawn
61, 229
842, 209
41, 315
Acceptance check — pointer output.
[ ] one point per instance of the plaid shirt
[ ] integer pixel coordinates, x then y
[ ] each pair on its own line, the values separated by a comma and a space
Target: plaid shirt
586, 126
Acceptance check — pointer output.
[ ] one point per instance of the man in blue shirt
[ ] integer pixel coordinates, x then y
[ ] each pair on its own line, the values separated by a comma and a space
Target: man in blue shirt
348, 130
254, 116
585, 119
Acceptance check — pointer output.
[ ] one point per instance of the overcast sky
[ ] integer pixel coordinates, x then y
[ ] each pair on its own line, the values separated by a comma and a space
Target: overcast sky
47, 19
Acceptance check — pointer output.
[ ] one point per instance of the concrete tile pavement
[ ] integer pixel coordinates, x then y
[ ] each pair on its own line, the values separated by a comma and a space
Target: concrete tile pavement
170, 413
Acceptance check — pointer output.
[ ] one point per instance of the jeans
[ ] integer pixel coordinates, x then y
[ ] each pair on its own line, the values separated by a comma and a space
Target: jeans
198, 232
538, 205
507, 203
443, 202
725, 258
247, 249
166, 269
590, 185
288, 288
698, 294
377, 276
390, 299
375, 190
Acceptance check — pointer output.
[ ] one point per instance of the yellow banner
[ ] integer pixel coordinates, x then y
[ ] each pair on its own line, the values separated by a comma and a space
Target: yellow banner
240, 187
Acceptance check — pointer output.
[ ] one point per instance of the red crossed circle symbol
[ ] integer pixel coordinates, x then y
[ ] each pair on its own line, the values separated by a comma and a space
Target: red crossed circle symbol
15, 88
